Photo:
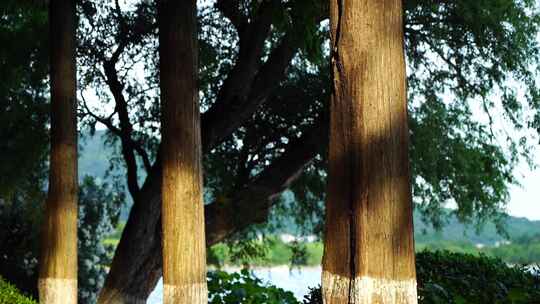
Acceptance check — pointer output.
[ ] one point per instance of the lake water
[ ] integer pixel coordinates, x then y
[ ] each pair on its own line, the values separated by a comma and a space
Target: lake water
296, 280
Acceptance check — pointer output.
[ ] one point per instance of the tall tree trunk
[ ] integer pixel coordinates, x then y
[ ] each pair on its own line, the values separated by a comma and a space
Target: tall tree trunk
58, 263
184, 246
369, 245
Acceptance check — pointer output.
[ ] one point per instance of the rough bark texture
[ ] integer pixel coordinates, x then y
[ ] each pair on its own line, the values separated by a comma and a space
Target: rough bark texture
369, 246
58, 262
184, 246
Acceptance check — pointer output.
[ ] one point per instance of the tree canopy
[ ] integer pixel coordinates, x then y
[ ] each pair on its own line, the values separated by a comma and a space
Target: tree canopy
264, 84
23, 101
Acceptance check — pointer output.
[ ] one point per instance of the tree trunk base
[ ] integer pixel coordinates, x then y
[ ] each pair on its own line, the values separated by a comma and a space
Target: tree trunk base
113, 296
57, 291
193, 293
366, 290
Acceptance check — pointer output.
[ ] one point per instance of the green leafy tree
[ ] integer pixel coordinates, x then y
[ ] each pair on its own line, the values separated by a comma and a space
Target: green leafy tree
23, 100
24, 142
99, 212
24, 114
264, 76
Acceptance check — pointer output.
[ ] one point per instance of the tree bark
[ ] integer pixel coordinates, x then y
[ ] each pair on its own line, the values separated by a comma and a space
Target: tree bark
184, 246
58, 263
369, 245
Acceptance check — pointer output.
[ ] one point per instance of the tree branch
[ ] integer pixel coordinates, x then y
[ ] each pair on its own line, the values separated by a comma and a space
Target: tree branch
107, 122
251, 45
126, 128
226, 115
252, 204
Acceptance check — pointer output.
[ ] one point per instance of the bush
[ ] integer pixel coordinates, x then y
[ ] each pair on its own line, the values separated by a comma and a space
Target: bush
10, 295
314, 296
242, 287
20, 218
446, 277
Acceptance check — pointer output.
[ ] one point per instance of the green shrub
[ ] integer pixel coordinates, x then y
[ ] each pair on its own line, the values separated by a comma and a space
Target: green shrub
446, 277
314, 296
11, 295
244, 288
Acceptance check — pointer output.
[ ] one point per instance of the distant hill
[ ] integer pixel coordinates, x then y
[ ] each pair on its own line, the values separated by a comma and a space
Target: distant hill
95, 155
457, 232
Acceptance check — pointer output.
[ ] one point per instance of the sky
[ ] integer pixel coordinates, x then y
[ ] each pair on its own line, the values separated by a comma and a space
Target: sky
525, 200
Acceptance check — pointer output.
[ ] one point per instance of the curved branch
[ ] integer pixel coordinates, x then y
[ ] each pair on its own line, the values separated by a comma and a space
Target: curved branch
125, 129
107, 122
252, 204
226, 115
252, 38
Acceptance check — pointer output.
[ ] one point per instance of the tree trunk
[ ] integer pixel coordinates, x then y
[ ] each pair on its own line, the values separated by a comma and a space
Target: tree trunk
369, 245
137, 263
58, 263
184, 246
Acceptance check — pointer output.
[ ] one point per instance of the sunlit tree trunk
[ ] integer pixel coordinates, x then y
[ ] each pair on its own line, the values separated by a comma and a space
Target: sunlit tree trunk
58, 262
369, 246
184, 251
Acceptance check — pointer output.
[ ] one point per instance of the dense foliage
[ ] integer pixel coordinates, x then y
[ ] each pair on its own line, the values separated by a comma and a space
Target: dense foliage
19, 235
99, 208
472, 65
242, 287
472, 70
9, 294
445, 277
23, 102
